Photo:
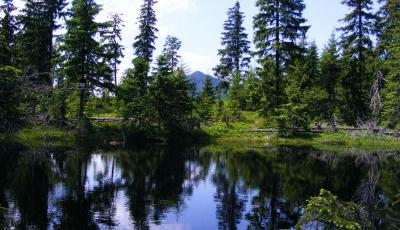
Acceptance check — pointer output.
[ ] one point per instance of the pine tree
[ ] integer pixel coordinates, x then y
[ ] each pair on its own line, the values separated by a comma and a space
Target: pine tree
168, 61
252, 91
35, 40
390, 40
171, 100
206, 100
144, 42
111, 37
84, 63
7, 33
235, 96
133, 93
304, 93
330, 74
357, 49
235, 54
171, 48
278, 27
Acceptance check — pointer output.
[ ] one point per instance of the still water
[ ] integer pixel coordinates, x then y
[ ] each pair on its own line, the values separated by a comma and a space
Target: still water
196, 188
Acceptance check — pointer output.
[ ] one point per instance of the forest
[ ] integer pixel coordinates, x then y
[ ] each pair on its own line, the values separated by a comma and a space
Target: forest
63, 80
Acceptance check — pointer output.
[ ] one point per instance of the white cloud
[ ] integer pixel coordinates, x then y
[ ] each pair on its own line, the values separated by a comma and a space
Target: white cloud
199, 62
165, 7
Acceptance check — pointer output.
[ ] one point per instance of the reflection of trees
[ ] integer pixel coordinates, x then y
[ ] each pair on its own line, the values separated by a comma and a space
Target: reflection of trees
156, 181
30, 183
230, 200
78, 190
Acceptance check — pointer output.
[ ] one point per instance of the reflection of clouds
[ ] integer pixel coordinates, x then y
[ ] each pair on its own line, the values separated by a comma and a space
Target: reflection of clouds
171, 227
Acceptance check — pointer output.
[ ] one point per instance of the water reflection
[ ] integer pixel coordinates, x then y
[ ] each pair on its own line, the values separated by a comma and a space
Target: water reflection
187, 188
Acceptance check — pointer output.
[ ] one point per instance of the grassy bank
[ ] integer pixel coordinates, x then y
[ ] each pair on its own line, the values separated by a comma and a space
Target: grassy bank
238, 133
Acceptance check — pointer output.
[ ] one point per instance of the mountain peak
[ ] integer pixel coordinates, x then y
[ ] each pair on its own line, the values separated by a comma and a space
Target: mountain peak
199, 77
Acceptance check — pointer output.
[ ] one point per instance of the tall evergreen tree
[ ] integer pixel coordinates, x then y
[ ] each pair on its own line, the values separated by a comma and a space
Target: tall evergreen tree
85, 61
111, 37
144, 42
235, 54
391, 42
330, 73
7, 32
278, 27
357, 49
133, 93
171, 48
35, 40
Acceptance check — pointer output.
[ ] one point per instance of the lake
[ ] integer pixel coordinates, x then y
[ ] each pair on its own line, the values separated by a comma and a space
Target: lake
187, 187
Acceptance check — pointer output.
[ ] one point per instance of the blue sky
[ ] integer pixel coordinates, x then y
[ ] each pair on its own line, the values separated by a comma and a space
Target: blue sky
198, 23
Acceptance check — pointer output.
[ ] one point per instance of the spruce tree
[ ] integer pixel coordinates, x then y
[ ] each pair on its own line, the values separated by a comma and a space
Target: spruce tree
171, 48
391, 42
330, 74
35, 39
206, 100
111, 37
235, 54
144, 42
278, 27
8, 28
134, 95
84, 63
357, 50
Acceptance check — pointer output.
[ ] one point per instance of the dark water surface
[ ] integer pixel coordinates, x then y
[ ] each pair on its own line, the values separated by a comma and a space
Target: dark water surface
187, 187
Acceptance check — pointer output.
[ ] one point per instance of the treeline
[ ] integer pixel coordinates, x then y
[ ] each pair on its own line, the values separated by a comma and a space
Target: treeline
60, 79
354, 81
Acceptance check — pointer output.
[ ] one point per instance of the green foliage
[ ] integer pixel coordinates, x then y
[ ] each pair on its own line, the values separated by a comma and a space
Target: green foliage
391, 42
10, 99
279, 25
235, 96
170, 98
252, 87
206, 101
34, 42
7, 34
357, 45
85, 59
171, 48
144, 42
134, 95
235, 54
333, 214
330, 74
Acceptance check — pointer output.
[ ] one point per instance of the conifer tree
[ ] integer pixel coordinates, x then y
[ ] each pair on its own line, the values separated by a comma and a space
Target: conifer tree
391, 42
133, 93
35, 40
7, 33
111, 37
144, 42
235, 54
206, 100
168, 61
279, 25
330, 74
85, 63
357, 49
171, 48
252, 91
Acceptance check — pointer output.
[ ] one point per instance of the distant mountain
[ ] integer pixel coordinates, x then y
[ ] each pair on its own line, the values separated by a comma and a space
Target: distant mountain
198, 79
